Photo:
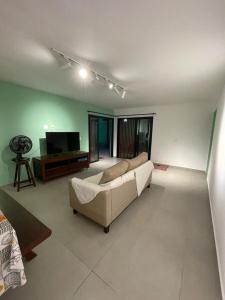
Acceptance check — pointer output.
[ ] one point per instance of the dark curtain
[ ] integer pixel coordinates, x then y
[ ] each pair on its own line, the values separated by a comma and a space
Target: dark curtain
134, 136
126, 138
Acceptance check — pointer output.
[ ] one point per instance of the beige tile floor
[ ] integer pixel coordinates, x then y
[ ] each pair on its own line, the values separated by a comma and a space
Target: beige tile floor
161, 248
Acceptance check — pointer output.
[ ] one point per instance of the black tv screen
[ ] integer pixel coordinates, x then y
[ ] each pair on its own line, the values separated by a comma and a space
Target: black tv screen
61, 142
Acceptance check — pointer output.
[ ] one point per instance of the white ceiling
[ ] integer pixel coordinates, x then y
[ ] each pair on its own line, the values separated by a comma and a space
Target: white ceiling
160, 51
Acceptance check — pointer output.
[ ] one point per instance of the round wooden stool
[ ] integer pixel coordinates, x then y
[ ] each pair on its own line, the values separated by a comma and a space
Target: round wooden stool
17, 180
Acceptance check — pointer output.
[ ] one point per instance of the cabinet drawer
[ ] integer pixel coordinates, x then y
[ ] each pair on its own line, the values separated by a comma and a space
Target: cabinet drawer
51, 173
78, 165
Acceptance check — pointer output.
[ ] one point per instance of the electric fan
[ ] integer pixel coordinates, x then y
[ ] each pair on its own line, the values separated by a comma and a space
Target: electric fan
20, 145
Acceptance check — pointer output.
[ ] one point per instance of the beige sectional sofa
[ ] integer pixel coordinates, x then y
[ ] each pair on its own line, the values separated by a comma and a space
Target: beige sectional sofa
109, 204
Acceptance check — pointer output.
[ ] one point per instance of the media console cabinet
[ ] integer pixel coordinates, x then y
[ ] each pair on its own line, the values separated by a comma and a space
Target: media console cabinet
51, 166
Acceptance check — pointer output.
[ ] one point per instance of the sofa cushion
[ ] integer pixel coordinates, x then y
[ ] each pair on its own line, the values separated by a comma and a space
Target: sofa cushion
114, 172
137, 161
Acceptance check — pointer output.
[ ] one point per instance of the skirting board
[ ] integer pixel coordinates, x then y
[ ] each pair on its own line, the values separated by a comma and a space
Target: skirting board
215, 237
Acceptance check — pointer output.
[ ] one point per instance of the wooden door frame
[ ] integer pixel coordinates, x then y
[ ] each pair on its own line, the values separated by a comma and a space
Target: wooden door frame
150, 118
112, 140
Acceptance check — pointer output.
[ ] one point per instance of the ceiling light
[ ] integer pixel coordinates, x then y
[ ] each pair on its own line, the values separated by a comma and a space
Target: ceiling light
123, 94
83, 73
110, 85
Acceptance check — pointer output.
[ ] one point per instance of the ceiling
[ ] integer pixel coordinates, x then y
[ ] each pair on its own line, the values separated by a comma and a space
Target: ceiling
161, 51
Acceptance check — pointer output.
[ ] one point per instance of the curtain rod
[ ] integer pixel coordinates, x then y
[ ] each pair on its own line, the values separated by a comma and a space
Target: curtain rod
96, 112
130, 115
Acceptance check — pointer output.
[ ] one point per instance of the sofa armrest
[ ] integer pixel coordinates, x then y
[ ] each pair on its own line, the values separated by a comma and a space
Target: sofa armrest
86, 191
99, 209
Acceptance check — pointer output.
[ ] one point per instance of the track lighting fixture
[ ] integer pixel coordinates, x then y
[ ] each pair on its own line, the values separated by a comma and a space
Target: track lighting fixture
96, 76
84, 73
117, 91
123, 94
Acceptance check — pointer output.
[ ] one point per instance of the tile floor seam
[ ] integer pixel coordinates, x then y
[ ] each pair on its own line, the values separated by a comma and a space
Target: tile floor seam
82, 282
101, 258
184, 255
182, 277
109, 285
81, 260
100, 261
75, 255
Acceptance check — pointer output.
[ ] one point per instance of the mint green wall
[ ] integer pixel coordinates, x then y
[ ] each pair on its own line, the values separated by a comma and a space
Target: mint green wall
26, 111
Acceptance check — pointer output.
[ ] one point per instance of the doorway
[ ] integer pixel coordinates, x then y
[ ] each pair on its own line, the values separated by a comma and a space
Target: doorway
100, 137
134, 136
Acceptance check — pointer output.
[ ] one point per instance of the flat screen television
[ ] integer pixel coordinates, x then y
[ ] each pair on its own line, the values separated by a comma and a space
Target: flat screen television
62, 142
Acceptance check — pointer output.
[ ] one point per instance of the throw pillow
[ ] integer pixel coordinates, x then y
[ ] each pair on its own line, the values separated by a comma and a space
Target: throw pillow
114, 172
137, 161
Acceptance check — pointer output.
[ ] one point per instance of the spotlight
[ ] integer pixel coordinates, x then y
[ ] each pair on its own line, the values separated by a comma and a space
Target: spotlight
111, 85
83, 73
96, 76
116, 90
123, 94
125, 120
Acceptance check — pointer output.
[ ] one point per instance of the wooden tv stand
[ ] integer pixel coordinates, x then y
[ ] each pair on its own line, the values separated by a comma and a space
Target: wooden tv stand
51, 166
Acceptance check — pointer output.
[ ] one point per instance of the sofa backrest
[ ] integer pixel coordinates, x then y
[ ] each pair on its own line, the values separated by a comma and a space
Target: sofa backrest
137, 161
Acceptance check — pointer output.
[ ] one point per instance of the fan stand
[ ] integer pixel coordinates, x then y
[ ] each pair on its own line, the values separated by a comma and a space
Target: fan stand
19, 156
23, 161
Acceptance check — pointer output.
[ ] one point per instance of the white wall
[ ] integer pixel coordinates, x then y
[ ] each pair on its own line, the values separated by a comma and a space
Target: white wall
181, 133
216, 184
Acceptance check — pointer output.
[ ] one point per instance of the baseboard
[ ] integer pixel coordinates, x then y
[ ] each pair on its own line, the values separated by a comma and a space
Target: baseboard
215, 237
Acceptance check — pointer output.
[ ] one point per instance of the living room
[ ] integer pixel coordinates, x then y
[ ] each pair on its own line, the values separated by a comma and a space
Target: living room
112, 164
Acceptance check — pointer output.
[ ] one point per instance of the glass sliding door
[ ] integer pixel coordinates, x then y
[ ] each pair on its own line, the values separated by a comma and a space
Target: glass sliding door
100, 137
93, 138
144, 136
134, 136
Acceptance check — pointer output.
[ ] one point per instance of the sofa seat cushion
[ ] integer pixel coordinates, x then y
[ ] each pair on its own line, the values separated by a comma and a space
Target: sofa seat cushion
114, 172
137, 161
